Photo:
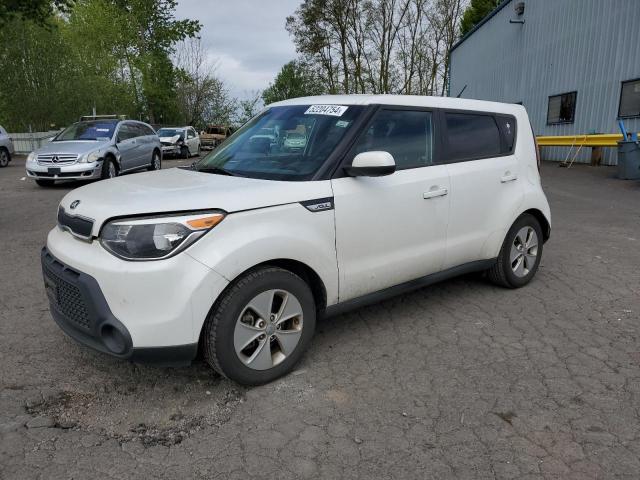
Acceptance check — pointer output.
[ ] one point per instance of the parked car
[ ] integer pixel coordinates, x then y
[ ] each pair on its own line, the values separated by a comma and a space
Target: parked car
214, 135
182, 141
94, 149
391, 193
6, 147
295, 140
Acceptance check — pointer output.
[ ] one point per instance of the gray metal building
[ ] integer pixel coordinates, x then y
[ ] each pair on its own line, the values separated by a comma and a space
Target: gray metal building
574, 65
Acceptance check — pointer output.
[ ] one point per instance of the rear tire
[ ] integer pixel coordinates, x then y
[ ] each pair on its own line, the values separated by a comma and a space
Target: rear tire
109, 169
519, 255
253, 348
44, 183
5, 157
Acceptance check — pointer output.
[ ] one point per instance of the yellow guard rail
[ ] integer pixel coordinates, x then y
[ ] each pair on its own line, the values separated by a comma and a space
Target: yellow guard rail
604, 140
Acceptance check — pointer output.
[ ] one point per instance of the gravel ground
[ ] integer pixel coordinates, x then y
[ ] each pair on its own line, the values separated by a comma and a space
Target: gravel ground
459, 380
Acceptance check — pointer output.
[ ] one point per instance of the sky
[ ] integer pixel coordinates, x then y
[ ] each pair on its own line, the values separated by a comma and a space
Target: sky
245, 38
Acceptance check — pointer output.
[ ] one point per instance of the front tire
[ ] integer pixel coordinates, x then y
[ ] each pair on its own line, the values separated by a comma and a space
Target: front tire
5, 158
184, 152
260, 326
156, 161
109, 169
519, 255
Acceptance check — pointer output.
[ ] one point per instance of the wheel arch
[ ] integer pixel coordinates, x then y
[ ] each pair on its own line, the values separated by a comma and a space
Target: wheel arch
304, 271
112, 157
542, 219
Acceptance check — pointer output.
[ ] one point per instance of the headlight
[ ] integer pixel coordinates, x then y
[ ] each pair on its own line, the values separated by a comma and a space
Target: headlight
157, 237
90, 157
31, 157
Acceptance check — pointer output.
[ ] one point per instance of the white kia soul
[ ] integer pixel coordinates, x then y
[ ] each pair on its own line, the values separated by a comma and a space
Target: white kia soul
315, 206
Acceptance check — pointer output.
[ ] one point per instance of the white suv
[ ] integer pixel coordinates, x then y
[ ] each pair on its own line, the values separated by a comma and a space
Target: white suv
242, 252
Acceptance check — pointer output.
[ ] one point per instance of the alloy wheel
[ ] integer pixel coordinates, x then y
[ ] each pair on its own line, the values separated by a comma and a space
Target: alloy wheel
112, 170
524, 251
268, 329
156, 161
4, 158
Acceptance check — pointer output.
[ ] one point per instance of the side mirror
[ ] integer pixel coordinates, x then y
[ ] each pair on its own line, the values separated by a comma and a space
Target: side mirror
371, 164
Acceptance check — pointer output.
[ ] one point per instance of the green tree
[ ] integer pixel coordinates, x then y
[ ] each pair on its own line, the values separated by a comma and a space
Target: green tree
150, 33
247, 108
38, 11
38, 81
475, 12
295, 79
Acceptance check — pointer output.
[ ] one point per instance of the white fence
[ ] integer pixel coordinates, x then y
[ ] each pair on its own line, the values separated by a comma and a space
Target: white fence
28, 142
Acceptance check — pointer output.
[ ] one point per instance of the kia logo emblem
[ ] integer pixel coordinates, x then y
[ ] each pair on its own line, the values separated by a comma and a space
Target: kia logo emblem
74, 204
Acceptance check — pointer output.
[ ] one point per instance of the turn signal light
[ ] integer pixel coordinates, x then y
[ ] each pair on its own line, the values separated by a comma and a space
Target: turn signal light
209, 221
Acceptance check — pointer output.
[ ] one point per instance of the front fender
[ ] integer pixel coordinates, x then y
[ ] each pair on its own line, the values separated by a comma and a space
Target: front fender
246, 239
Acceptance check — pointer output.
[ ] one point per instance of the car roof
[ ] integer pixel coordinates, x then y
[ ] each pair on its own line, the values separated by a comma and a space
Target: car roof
405, 100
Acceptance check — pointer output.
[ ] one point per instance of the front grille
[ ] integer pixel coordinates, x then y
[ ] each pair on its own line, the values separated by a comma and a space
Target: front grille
66, 296
78, 225
167, 144
56, 159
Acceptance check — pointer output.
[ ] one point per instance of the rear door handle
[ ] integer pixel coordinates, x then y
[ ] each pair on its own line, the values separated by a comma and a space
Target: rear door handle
508, 177
435, 192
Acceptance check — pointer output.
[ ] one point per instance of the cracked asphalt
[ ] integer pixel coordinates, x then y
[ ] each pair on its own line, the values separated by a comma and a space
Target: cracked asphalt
459, 380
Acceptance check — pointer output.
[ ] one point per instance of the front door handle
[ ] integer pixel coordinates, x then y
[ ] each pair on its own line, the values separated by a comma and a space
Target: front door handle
508, 177
435, 192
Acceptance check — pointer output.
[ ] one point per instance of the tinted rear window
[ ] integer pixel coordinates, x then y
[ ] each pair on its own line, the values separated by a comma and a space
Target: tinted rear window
508, 127
471, 136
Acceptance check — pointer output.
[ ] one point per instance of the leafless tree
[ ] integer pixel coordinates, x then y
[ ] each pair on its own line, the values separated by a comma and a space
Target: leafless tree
204, 97
378, 46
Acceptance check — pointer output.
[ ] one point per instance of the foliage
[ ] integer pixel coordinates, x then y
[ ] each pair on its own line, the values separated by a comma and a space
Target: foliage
475, 13
248, 108
114, 55
38, 11
377, 46
295, 79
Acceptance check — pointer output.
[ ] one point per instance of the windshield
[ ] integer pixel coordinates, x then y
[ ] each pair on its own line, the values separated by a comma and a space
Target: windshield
95, 130
169, 132
263, 147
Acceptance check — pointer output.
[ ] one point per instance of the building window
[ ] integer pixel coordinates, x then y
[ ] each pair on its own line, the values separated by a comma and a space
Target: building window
629, 99
562, 108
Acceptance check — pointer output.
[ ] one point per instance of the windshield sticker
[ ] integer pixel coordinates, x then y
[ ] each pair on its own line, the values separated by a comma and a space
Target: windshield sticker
342, 123
332, 110
102, 129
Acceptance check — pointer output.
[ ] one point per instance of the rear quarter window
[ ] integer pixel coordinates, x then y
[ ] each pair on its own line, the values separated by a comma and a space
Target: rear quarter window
478, 135
507, 125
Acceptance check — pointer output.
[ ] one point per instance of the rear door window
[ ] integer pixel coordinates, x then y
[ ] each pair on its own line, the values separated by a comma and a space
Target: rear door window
126, 132
471, 136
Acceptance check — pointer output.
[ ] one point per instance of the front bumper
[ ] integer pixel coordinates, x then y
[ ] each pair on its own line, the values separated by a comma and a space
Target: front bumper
76, 171
79, 308
170, 149
148, 312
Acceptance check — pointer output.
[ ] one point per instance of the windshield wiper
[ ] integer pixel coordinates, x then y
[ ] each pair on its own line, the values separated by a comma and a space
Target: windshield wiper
215, 170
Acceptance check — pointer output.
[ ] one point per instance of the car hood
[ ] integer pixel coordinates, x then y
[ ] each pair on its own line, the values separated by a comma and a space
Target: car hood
178, 190
78, 147
173, 139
